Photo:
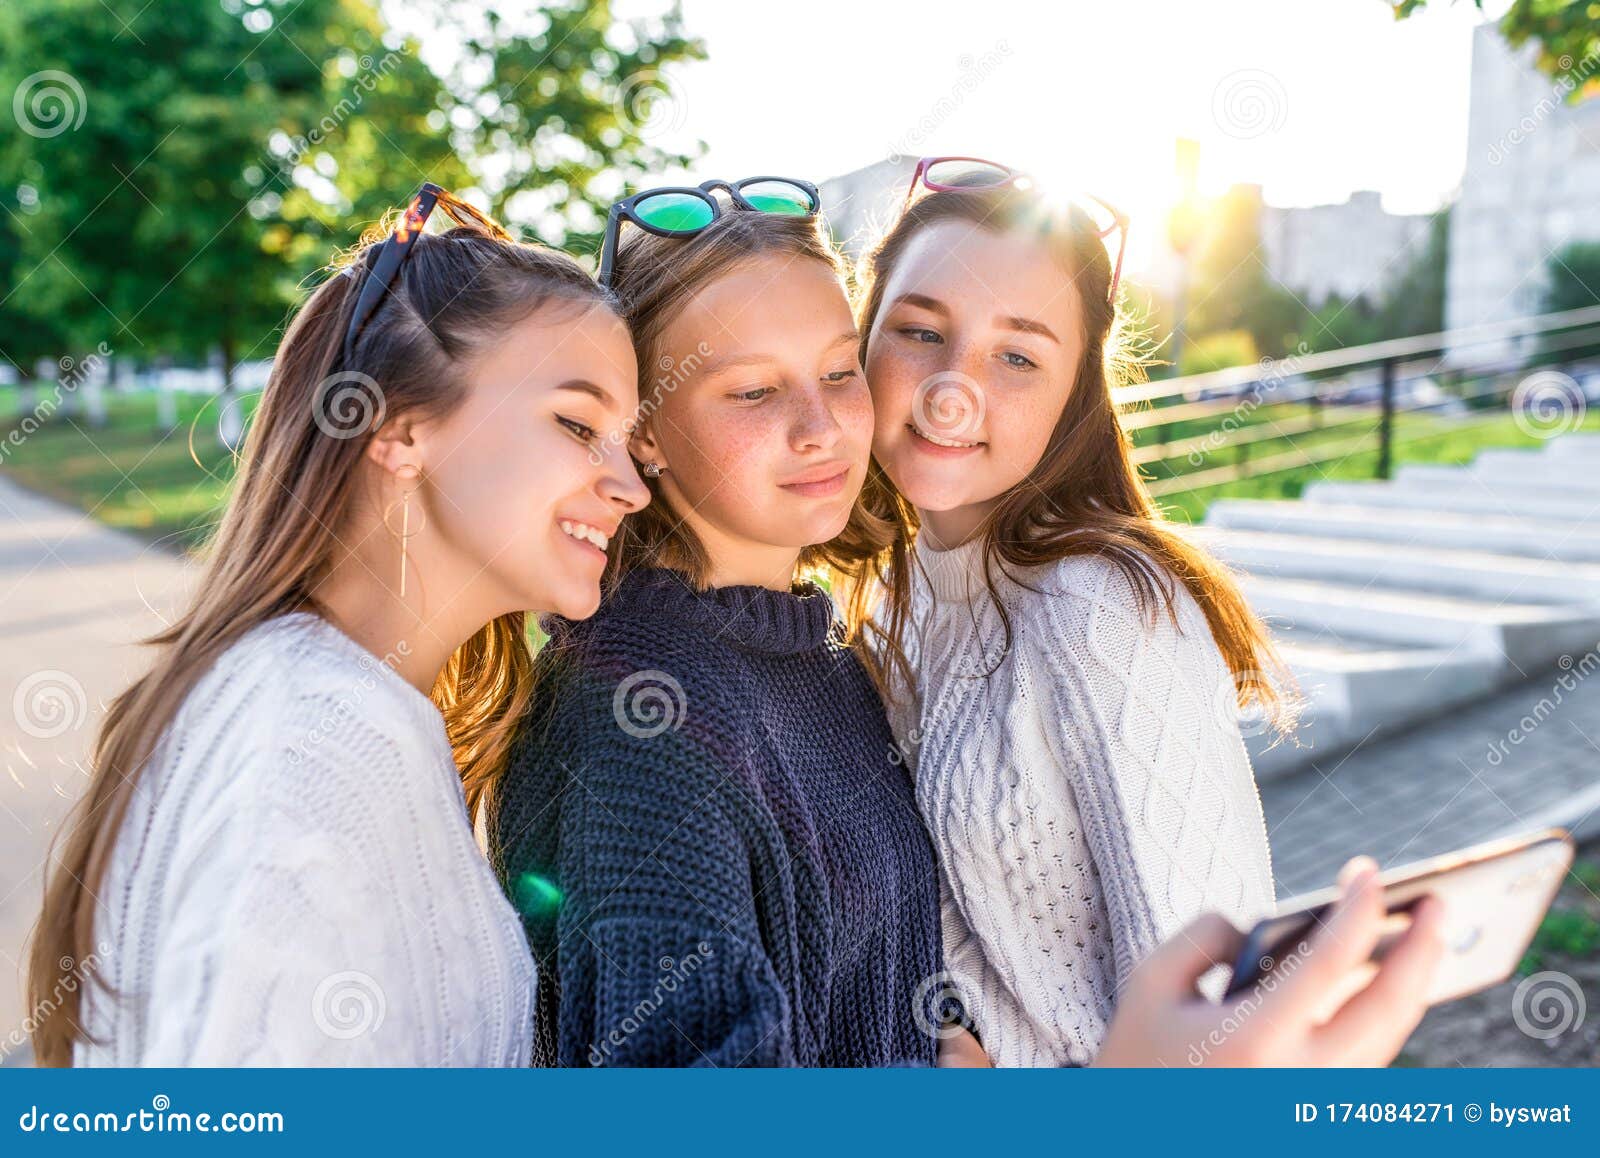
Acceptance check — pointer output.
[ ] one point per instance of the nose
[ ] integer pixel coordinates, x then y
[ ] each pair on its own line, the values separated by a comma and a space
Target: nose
815, 426
620, 485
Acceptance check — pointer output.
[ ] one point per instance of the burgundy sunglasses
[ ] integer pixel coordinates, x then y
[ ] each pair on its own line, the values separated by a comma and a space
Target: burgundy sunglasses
955, 174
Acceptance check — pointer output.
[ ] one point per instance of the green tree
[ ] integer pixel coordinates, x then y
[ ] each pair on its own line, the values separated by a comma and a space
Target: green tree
1573, 278
1231, 288
561, 111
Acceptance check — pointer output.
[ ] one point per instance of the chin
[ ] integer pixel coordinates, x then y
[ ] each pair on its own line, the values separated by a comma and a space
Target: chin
577, 603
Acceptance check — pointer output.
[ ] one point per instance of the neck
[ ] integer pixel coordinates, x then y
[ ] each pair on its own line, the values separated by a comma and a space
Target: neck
739, 562
945, 530
415, 636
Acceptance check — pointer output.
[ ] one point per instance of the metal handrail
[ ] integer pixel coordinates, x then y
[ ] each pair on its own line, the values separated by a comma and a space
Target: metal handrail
1354, 357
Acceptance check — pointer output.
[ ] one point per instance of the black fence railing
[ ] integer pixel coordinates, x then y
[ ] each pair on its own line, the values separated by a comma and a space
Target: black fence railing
1278, 415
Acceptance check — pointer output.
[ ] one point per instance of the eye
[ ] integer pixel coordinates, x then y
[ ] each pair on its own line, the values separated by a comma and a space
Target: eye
839, 377
921, 334
1018, 361
754, 394
584, 434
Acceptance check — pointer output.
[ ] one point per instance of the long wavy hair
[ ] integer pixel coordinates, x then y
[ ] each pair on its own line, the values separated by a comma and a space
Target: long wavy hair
655, 279
1084, 496
278, 540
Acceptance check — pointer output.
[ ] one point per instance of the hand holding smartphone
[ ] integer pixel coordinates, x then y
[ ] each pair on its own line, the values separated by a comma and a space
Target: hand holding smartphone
1494, 894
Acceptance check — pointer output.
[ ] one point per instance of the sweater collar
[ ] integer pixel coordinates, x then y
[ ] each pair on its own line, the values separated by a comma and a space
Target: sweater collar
954, 575
752, 617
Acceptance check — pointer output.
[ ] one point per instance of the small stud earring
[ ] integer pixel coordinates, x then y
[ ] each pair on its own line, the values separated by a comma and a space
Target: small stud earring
652, 470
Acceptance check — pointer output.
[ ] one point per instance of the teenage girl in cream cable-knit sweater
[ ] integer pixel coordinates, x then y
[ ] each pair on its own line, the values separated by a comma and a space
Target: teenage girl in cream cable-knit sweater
1075, 668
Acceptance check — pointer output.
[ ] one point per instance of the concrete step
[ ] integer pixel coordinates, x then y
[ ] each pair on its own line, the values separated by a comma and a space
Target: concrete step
1462, 493
1518, 636
1454, 571
1581, 445
1532, 537
1517, 466
1354, 688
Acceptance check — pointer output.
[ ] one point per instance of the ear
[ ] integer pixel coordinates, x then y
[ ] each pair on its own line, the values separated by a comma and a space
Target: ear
643, 446
396, 449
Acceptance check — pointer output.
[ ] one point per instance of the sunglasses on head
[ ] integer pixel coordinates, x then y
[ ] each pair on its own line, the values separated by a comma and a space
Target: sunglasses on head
385, 268
954, 174
683, 211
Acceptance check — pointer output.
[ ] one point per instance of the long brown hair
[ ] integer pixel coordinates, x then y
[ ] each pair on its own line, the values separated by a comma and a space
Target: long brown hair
655, 278
1084, 496
278, 539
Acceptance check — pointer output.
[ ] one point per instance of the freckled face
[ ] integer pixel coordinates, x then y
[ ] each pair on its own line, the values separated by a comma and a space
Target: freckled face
970, 360
767, 442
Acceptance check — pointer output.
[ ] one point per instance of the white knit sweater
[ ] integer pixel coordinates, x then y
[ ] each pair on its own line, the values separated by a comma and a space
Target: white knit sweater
296, 883
1088, 796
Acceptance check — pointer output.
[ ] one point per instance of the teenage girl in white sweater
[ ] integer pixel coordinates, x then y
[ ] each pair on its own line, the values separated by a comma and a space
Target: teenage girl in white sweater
272, 864
1075, 666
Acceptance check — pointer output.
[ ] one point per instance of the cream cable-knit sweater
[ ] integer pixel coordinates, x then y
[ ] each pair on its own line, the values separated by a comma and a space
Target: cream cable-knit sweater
1088, 798
296, 883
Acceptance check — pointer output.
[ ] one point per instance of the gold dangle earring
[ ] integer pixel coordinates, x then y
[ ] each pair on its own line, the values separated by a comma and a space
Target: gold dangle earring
410, 474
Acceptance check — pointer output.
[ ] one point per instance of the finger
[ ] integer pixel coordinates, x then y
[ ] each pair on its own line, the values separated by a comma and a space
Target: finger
1175, 967
1354, 865
1373, 1025
1343, 943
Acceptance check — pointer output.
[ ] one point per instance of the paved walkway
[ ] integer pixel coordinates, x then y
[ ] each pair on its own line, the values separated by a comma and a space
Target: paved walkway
74, 599
1527, 758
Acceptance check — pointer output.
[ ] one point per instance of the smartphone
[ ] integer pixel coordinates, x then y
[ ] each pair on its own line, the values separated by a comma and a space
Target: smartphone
1495, 895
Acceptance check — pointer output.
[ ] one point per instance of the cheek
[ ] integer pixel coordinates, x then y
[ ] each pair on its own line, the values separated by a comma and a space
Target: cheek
893, 376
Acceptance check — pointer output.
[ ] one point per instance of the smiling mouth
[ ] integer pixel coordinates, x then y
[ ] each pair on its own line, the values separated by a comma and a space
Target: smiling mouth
940, 441
584, 533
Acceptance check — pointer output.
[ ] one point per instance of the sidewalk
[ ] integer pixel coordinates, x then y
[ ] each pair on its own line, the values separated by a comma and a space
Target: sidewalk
74, 599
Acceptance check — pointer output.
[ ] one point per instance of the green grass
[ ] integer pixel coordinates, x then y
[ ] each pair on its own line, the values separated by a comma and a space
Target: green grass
162, 485
1417, 438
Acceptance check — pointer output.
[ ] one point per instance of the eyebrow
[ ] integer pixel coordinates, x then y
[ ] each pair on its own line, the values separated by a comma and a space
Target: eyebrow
935, 306
594, 390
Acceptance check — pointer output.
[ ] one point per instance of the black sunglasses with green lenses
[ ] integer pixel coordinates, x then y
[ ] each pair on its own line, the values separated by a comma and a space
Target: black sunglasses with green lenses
683, 211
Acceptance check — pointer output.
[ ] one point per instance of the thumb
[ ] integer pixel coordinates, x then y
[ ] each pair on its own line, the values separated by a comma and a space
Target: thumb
1175, 967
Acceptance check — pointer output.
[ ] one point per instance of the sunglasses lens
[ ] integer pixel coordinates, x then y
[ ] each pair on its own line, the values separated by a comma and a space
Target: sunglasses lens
779, 197
967, 174
678, 212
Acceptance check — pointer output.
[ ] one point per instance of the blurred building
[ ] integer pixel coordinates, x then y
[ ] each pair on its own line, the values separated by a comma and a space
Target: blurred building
1531, 185
1350, 249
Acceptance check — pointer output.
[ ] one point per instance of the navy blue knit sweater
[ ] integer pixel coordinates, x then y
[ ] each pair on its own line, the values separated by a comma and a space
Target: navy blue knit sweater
716, 857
